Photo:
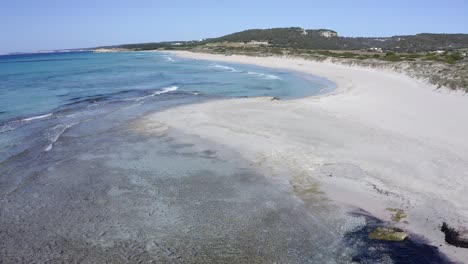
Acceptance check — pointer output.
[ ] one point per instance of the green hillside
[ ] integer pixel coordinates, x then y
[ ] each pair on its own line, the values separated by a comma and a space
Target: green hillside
318, 39
324, 39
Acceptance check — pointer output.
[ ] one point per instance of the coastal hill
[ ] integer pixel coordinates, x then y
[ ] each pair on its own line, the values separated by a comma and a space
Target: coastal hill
324, 39
330, 40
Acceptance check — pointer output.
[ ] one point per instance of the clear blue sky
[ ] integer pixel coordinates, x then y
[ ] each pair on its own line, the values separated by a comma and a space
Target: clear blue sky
29, 25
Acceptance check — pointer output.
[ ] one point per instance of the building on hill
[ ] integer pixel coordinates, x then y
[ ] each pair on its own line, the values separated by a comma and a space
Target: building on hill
328, 33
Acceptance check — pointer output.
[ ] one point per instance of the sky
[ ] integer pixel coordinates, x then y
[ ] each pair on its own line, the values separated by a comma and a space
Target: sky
31, 25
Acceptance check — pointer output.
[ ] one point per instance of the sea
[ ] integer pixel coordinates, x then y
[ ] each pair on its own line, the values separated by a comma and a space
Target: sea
82, 180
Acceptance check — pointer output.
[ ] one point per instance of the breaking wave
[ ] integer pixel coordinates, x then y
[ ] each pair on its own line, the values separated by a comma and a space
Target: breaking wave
265, 76
162, 91
232, 69
54, 134
228, 68
167, 89
36, 117
20, 122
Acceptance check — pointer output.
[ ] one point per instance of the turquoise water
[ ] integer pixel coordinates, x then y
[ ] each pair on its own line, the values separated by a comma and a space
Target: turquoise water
81, 180
53, 92
41, 83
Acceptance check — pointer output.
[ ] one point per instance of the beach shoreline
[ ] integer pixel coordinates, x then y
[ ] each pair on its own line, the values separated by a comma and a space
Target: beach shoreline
380, 140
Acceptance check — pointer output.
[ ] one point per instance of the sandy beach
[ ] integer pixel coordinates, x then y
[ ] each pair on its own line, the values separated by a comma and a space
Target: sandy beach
380, 140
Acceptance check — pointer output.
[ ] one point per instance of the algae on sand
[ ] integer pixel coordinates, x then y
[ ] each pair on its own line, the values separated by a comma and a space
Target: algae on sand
388, 234
306, 188
398, 214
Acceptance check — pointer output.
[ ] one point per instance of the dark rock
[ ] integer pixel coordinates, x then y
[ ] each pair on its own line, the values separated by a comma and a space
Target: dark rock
454, 237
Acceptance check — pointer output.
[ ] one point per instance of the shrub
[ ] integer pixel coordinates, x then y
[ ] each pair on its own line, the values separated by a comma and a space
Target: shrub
391, 56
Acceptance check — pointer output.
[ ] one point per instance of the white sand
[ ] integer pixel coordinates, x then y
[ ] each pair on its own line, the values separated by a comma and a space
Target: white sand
380, 140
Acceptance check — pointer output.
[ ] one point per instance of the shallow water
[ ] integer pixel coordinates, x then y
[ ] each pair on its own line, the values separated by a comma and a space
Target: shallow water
83, 180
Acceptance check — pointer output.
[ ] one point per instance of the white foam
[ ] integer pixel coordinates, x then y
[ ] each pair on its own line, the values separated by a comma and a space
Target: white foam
12, 125
261, 75
7, 127
162, 91
352, 224
167, 89
265, 76
224, 67
36, 117
170, 59
56, 132
132, 106
49, 147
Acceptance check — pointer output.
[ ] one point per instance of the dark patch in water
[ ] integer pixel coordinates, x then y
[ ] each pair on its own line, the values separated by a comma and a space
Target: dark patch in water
88, 99
208, 152
109, 95
64, 110
182, 145
413, 250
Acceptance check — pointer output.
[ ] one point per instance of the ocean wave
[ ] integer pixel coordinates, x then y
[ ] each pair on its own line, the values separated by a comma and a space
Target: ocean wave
170, 59
228, 68
232, 69
162, 91
132, 106
9, 126
265, 76
54, 134
166, 90
91, 99
37, 117
12, 125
